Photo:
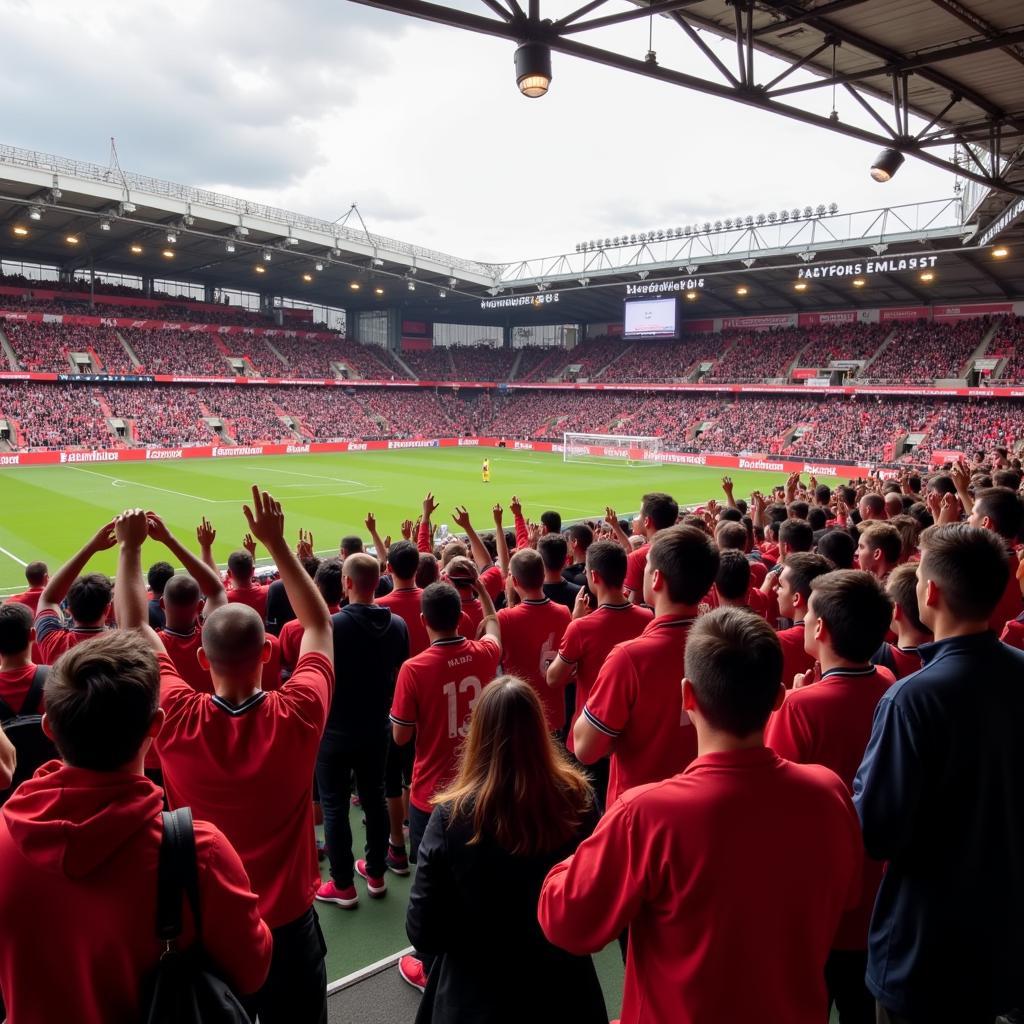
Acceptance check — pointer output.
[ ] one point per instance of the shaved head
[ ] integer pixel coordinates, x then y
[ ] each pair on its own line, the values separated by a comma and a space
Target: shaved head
233, 638
364, 572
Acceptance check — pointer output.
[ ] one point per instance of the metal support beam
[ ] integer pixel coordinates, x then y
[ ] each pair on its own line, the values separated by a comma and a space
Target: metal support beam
657, 7
979, 24
787, 23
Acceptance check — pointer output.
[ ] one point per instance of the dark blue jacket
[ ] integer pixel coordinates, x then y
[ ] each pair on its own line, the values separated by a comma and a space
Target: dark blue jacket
940, 795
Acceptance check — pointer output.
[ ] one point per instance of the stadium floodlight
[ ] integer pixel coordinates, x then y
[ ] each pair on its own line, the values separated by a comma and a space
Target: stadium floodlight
742, 290
442, 294
354, 285
35, 213
267, 255
241, 232
171, 238
533, 68
376, 261
800, 286
229, 246
761, 218
584, 281
318, 266
168, 254
794, 214
927, 277
20, 231
378, 291
291, 240
833, 208
821, 209
452, 282
886, 164
859, 282
259, 269
71, 239
633, 450
1000, 252
718, 225
783, 216
307, 278
808, 212
137, 250
104, 225
772, 217
411, 286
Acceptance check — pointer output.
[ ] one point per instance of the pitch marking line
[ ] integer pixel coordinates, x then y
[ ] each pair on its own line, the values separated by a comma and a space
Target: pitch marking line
117, 481
14, 558
368, 971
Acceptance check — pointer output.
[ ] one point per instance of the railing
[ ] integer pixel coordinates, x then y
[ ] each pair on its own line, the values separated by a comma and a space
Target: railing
130, 183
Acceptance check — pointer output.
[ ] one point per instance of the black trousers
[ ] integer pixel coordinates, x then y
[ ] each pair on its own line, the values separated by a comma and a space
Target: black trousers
417, 826
339, 759
295, 991
844, 976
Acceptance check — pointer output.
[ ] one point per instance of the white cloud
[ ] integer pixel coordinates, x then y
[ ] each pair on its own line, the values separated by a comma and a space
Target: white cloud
317, 105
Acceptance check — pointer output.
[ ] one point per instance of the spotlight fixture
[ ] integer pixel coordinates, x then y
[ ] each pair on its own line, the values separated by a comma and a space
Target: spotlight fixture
71, 239
1000, 252
886, 164
691, 295
376, 261
104, 225
354, 285
229, 246
412, 286
259, 269
442, 294
859, 282
533, 68
927, 276
137, 250
19, 230
318, 266
800, 286
171, 238
35, 213
307, 277
378, 291
742, 290
168, 254
267, 255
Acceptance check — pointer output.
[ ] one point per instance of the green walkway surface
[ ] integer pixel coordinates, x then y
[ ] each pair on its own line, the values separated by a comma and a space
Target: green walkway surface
375, 930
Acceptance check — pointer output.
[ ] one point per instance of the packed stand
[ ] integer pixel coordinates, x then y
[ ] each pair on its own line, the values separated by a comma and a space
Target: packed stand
536, 360
922, 352
46, 348
1008, 344
749, 356
312, 358
326, 414
830, 342
482, 362
176, 420
430, 364
186, 353
250, 414
57, 416
757, 424
663, 361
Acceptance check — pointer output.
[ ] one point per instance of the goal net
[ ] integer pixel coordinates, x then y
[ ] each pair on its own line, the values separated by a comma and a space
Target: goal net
632, 450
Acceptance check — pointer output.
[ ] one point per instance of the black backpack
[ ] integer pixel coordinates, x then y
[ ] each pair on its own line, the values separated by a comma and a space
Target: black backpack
24, 728
184, 990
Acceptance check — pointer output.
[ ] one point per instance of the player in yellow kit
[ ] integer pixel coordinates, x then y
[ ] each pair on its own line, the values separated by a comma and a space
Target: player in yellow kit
486, 471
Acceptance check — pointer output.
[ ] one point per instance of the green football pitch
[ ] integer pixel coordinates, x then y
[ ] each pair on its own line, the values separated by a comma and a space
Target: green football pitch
48, 512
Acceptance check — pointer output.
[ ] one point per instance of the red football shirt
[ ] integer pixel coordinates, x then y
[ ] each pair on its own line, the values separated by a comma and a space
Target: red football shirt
290, 642
14, 687
829, 723
249, 770
589, 640
906, 660
530, 637
1011, 604
53, 638
638, 701
255, 597
758, 571
731, 878
30, 597
1013, 634
406, 604
435, 694
794, 658
182, 648
636, 563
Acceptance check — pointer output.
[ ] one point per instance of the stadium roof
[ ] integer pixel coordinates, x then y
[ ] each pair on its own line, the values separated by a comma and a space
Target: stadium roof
959, 68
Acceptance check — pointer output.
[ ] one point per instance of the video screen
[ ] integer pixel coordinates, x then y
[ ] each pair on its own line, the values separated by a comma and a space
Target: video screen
650, 318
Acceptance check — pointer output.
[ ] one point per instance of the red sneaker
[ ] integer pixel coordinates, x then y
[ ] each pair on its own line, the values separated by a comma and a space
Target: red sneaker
396, 860
377, 887
411, 970
330, 893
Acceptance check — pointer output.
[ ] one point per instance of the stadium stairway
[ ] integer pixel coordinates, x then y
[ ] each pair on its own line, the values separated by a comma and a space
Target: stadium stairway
9, 354
878, 351
285, 365
132, 354
612, 361
982, 348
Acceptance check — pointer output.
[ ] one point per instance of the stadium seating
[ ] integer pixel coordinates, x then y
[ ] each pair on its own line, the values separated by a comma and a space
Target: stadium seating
921, 352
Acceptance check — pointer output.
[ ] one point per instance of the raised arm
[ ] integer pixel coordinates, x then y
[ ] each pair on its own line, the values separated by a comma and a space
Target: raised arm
60, 582
727, 486
480, 554
266, 524
379, 545
499, 540
424, 533
206, 535
490, 620
962, 479
207, 578
618, 533
131, 528
522, 534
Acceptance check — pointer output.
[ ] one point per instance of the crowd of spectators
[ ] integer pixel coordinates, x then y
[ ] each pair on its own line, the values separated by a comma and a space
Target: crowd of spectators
749, 356
921, 352
250, 414
313, 358
47, 347
327, 414
430, 363
482, 362
54, 416
1008, 343
179, 352
841, 341
176, 420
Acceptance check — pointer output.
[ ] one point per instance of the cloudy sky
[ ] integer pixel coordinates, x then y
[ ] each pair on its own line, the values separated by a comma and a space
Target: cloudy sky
318, 104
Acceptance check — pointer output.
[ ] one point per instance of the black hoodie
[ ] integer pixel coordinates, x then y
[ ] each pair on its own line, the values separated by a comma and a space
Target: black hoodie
370, 645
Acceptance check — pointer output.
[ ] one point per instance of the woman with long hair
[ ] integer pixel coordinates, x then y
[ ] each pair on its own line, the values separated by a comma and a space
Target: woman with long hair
516, 808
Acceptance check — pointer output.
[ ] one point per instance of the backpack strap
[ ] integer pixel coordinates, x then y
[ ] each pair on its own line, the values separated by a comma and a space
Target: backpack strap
177, 874
6, 711
34, 697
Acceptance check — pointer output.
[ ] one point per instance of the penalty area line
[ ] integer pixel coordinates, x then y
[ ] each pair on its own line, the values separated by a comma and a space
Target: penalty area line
14, 558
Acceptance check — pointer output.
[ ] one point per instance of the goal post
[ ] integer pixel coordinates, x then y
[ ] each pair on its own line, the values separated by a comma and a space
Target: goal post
631, 449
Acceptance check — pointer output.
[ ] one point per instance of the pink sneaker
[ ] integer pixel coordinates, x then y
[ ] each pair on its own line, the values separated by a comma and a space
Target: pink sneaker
411, 970
330, 893
377, 887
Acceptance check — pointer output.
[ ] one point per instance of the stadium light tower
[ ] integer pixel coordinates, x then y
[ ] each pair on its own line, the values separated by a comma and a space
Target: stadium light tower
533, 68
886, 164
